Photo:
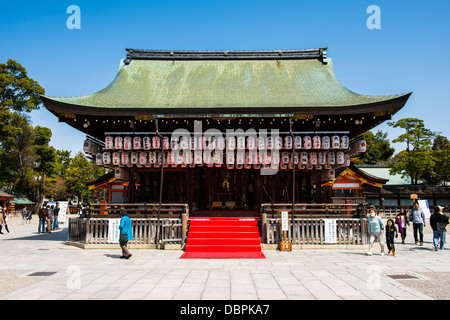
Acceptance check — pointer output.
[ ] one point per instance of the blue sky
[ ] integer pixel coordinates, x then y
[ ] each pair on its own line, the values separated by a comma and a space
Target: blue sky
408, 53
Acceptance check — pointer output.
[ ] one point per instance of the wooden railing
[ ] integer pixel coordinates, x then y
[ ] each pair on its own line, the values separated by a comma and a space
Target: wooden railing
311, 209
312, 231
95, 230
149, 225
308, 227
147, 209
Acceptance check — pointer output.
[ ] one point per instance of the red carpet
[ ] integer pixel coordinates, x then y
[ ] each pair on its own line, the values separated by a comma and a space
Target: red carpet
223, 238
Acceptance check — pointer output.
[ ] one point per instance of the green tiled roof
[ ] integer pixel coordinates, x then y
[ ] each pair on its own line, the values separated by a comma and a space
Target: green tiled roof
224, 84
395, 179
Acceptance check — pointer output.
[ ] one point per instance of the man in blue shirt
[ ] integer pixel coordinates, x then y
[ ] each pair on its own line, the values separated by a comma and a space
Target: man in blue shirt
417, 216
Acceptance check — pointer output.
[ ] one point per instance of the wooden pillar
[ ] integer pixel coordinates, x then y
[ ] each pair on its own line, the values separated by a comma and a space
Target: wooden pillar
131, 186
318, 188
308, 187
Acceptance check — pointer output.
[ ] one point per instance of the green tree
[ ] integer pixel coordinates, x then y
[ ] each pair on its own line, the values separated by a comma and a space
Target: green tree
418, 160
80, 170
379, 149
19, 94
441, 152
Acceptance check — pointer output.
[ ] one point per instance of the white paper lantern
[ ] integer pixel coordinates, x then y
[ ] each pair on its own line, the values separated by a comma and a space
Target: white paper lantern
142, 158
297, 142
278, 143
193, 143
347, 160
344, 142
217, 159
340, 157
147, 143
240, 157
170, 157
188, 157
109, 142
335, 142
134, 158
125, 158
317, 142
313, 158
261, 143
127, 143
288, 142
251, 143
361, 146
231, 143
322, 158
303, 158
118, 143
326, 142
88, 146
230, 157
241, 143
106, 158
331, 159
269, 143
307, 144
198, 157
99, 159
220, 143
156, 142
152, 157
116, 158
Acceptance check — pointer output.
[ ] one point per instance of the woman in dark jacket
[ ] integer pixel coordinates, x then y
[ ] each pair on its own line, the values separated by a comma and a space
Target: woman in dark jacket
391, 232
401, 220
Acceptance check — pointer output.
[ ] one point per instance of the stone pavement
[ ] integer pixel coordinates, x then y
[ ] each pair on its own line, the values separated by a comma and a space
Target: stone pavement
332, 274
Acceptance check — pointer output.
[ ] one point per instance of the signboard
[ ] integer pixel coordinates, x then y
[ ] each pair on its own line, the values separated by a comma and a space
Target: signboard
113, 230
330, 230
414, 196
284, 221
63, 208
423, 204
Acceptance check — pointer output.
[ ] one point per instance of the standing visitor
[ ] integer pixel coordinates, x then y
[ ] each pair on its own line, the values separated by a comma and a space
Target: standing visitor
24, 215
49, 218
42, 219
29, 215
55, 217
417, 216
376, 228
126, 234
4, 220
391, 232
402, 221
438, 222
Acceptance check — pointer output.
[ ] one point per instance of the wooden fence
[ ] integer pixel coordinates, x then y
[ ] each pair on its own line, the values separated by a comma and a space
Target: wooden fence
95, 230
312, 231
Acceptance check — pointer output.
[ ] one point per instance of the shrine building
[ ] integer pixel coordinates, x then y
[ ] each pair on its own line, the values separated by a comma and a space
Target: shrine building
229, 127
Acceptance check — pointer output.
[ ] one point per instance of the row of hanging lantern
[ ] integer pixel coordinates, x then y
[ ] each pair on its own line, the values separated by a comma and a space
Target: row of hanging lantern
239, 159
213, 142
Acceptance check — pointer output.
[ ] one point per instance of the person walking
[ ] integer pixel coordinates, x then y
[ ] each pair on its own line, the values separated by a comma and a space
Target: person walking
438, 222
126, 234
417, 216
42, 219
29, 215
49, 218
4, 220
376, 228
391, 232
401, 220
